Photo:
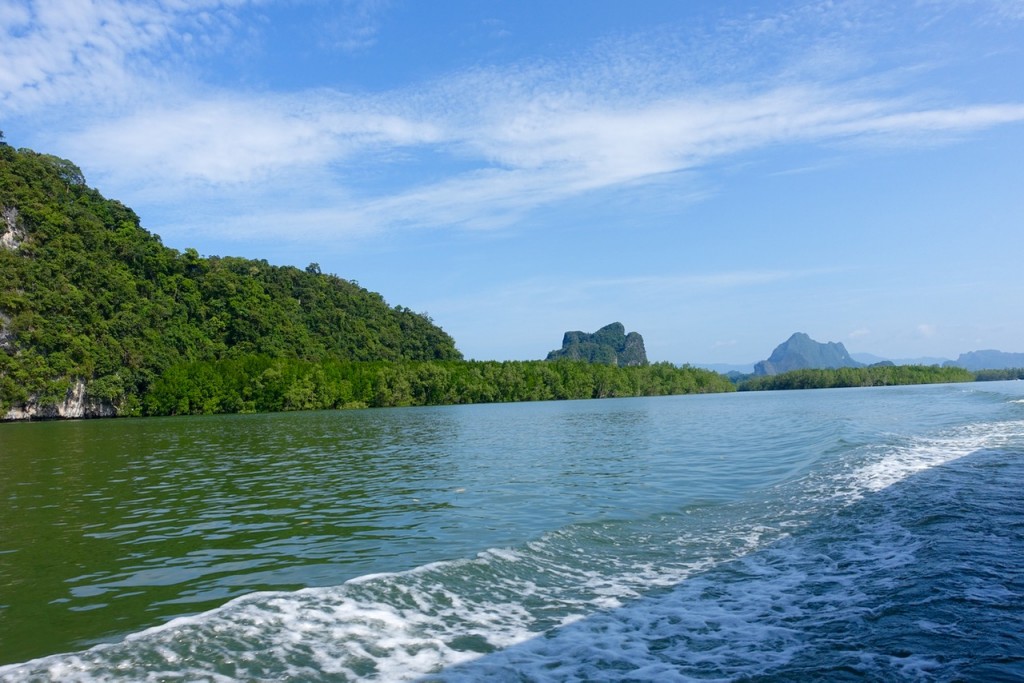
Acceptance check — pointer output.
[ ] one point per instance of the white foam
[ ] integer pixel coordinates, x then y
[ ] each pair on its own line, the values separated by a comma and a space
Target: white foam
739, 619
735, 593
899, 462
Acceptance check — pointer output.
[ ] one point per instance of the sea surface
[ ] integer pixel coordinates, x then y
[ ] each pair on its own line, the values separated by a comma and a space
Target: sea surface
823, 535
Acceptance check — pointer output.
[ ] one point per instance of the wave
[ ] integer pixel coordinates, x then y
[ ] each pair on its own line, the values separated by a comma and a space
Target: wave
711, 591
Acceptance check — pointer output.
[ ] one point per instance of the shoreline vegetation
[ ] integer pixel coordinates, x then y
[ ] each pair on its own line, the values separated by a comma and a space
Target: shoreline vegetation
263, 384
99, 319
872, 376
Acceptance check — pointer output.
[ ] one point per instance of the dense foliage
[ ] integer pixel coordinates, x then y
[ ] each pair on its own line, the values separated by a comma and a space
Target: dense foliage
87, 294
873, 376
997, 375
258, 383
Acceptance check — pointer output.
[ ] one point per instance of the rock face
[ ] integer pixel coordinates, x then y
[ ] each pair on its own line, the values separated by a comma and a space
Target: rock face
800, 352
609, 345
988, 359
76, 404
11, 235
6, 335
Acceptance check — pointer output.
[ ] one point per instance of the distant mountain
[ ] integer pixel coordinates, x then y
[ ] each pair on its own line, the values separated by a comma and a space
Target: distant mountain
872, 359
868, 358
800, 352
609, 345
988, 359
923, 360
726, 368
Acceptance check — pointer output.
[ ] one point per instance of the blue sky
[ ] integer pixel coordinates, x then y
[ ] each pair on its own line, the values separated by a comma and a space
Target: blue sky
715, 176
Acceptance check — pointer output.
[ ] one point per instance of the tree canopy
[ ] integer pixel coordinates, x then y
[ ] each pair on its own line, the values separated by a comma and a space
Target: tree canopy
872, 376
256, 383
87, 294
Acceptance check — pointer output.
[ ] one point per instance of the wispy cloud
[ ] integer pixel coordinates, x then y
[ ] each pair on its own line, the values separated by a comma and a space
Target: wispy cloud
100, 53
355, 24
566, 293
502, 141
238, 139
529, 154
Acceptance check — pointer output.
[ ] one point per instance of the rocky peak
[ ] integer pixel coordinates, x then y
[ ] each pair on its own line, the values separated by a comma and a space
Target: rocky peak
609, 345
800, 352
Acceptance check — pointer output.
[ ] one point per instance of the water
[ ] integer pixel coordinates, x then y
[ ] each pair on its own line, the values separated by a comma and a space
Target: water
870, 534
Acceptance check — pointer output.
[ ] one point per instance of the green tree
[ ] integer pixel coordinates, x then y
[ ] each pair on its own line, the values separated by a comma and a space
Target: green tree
86, 294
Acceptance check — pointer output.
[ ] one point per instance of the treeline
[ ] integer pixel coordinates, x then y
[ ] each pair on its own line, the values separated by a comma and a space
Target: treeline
873, 376
999, 375
259, 383
87, 294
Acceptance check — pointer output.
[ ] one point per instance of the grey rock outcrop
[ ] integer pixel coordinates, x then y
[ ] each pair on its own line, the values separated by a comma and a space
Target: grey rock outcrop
800, 352
11, 236
76, 404
609, 345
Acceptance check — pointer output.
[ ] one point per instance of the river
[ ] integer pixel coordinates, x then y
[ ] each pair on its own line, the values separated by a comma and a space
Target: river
810, 535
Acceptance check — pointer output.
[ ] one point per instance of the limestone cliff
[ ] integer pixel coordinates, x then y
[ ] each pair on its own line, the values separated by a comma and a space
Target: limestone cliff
800, 352
76, 404
11, 234
609, 345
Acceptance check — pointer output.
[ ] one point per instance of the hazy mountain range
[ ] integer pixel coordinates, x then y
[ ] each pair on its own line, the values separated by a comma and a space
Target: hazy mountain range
800, 352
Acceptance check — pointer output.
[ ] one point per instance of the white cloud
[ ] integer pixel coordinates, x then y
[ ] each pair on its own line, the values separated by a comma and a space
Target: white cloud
924, 122
238, 139
15, 16
98, 52
502, 142
527, 156
547, 149
355, 26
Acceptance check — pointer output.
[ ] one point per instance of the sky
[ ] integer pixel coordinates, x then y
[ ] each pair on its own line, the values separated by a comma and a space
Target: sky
714, 175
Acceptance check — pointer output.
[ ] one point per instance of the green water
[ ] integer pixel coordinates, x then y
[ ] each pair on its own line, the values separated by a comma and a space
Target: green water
729, 536
109, 526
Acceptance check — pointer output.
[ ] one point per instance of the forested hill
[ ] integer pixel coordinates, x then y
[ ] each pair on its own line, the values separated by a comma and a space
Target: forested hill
94, 305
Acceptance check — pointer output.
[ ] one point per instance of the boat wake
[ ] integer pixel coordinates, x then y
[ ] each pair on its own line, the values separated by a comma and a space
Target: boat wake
804, 579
